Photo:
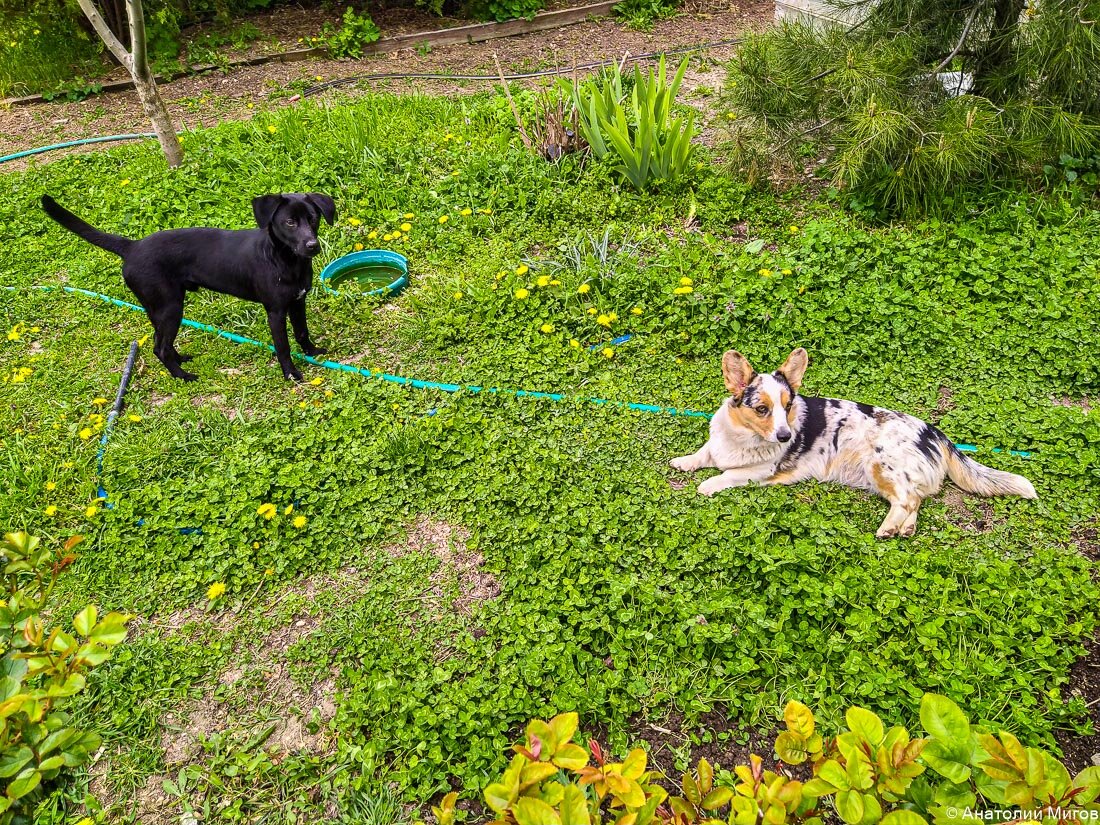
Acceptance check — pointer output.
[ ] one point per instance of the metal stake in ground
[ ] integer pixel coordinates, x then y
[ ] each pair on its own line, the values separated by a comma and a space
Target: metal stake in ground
127, 371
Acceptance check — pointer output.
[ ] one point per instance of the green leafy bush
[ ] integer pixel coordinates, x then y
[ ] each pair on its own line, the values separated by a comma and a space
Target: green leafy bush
501, 10
39, 671
865, 775
641, 14
650, 145
357, 31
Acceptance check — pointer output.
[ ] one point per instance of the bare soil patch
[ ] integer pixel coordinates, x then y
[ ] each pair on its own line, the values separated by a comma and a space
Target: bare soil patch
1080, 752
205, 100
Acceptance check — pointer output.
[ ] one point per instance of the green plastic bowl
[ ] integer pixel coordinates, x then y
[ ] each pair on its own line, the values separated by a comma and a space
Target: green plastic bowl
388, 271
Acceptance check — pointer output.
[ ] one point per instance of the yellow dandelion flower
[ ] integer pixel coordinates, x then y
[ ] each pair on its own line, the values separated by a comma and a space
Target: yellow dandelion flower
35, 329
682, 290
272, 129
574, 343
288, 509
785, 271
250, 105
329, 393
607, 352
454, 174
408, 216
15, 333
522, 269
90, 511
543, 280
613, 316
299, 522
302, 405
636, 311
466, 212
85, 434
555, 282
99, 402
457, 295
50, 511
547, 328
318, 78
359, 247
444, 218
765, 272
354, 222
405, 227
68, 465
592, 310
269, 572
686, 282
604, 320
792, 229
584, 289
134, 418
215, 590
95, 418
124, 182
255, 545
485, 211
50, 486
266, 510
521, 294
318, 381
372, 235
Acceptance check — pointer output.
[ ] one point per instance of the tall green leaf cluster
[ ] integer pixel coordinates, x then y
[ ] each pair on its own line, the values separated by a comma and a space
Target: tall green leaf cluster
649, 143
881, 100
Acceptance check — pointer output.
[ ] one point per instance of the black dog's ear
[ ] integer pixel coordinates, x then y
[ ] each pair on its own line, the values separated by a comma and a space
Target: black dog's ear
264, 208
325, 204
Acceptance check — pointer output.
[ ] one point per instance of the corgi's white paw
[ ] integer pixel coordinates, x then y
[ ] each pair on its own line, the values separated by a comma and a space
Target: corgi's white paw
685, 463
711, 486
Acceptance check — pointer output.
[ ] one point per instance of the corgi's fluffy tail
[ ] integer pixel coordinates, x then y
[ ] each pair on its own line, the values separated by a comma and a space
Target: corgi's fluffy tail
985, 481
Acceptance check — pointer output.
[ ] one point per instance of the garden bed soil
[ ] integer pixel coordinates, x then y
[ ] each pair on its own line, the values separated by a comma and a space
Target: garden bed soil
205, 100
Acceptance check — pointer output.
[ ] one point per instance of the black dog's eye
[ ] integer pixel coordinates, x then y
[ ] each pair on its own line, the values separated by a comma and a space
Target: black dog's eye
762, 410
291, 222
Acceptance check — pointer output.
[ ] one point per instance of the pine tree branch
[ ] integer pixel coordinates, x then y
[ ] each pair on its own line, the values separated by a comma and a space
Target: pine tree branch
958, 46
104, 31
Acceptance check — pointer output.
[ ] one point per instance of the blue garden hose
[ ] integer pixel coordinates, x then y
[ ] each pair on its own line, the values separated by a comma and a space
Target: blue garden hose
431, 385
71, 143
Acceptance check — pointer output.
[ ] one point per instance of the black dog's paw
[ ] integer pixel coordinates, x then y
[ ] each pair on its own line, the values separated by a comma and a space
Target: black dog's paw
187, 376
184, 358
293, 375
314, 351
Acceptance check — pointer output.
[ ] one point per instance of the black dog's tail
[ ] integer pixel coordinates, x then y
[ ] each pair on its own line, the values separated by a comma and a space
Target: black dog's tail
112, 243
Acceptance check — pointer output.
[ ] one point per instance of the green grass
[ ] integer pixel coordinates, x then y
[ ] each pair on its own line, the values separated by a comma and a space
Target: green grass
619, 595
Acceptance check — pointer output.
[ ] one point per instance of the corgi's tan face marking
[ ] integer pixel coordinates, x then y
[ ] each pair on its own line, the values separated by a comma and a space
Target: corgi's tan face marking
749, 418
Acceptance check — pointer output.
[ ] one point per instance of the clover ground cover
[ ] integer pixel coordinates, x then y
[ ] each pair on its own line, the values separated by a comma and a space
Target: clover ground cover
575, 570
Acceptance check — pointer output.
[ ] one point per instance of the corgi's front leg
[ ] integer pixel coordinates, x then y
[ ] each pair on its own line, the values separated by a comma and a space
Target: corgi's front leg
733, 478
695, 461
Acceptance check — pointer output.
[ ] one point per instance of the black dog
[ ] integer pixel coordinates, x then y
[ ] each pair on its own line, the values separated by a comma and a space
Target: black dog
271, 265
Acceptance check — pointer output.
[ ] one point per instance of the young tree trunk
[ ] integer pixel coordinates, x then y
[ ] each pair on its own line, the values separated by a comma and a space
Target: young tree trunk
996, 54
136, 62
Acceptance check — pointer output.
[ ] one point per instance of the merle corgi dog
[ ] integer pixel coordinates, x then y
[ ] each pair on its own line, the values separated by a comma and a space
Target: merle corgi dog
766, 433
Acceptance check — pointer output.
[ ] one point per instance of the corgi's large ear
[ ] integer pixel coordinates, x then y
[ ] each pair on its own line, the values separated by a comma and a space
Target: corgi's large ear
738, 372
795, 367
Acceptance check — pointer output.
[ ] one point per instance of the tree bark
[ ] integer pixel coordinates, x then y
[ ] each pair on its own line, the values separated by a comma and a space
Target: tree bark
997, 52
136, 62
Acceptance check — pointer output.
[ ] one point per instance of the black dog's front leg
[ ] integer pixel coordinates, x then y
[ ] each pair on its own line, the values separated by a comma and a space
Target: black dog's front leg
276, 322
301, 331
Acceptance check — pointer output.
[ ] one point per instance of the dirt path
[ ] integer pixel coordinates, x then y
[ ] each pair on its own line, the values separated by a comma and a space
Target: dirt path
212, 98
